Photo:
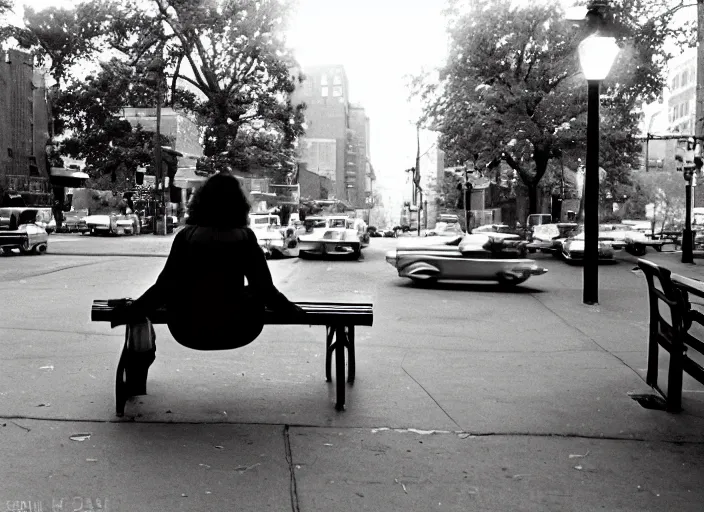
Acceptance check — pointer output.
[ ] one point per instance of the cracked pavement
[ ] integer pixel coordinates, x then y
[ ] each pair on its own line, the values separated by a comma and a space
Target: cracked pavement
467, 397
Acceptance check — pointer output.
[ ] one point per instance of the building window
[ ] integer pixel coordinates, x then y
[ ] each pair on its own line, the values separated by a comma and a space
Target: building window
676, 82
686, 109
685, 76
336, 80
324, 80
337, 91
324, 91
307, 88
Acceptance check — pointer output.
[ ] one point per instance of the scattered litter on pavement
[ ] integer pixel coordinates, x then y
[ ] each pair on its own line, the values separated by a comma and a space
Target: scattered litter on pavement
402, 485
169, 411
91, 460
79, 437
242, 469
204, 465
48, 367
578, 467
184, 495
327, 444
464, 435
520, 476
218, 447
44, 405
208, 492
298, 467
410, 430
224, 412
576, 455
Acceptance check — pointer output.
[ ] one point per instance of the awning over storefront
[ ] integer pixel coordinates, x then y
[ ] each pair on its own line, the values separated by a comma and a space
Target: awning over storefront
60, 172
186, 177
62, 177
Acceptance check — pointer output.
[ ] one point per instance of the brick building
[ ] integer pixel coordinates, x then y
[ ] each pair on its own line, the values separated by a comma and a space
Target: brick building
24, 122
336, 143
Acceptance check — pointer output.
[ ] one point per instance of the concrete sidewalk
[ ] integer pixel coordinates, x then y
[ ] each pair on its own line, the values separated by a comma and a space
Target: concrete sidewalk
466, 398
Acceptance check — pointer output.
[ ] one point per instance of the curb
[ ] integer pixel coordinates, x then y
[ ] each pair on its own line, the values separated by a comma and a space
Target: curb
112, 254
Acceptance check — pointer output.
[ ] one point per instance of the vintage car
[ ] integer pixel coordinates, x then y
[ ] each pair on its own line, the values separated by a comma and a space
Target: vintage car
43, 217
445, 229
473, 257
548, 238
75, 221
113, 223
278, 243
26, 236
492, 228
573, 248
330, 236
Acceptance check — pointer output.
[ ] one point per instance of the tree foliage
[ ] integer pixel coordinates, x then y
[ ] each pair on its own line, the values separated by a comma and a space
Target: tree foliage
512, 88
233, 56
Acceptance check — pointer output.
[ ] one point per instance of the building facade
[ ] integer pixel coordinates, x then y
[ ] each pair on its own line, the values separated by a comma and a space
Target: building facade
335, 145
24, 129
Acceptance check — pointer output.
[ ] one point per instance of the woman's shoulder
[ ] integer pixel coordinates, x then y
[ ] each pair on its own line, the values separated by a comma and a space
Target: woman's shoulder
206, 233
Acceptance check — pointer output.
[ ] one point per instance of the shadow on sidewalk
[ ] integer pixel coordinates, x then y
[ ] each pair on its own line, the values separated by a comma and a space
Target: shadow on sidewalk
472, 286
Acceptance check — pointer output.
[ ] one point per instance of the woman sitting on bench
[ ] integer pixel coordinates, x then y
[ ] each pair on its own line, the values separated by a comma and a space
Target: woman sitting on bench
202, 286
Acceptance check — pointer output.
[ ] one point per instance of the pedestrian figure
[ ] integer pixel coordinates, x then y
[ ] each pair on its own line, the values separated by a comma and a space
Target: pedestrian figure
58, 211
202, 285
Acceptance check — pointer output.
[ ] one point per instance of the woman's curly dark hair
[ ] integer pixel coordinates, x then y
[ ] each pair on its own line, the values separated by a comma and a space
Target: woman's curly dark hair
220, 202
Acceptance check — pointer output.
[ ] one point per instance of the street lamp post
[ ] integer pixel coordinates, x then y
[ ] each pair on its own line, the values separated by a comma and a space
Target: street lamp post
596, 55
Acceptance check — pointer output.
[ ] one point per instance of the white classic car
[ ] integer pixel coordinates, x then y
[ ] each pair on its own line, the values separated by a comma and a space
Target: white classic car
474, 257
275, 241
113, 223
23, 233
331, 236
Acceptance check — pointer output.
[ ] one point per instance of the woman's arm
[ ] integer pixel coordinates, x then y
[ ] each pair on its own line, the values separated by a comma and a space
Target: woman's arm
259, 276
167, 281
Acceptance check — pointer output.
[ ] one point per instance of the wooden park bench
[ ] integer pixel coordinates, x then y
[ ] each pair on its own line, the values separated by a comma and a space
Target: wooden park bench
339, 319
674, 335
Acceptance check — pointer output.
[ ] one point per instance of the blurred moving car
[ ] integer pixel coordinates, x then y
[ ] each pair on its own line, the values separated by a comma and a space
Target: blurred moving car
548, 238
473, 257
445, 229
492, 228
330, 236
23, 233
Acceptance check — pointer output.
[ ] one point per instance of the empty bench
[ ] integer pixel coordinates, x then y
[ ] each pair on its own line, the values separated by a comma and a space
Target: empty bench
339, 319
674, 334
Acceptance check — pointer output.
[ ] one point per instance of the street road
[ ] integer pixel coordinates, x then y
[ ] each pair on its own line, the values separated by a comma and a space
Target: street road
531, 368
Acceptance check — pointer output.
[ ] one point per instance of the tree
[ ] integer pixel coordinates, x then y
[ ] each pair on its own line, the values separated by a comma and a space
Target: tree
665, 192
512, 88
88, 113
232, 53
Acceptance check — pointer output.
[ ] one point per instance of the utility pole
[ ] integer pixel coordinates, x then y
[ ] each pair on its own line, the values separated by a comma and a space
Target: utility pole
699, 107
417, 173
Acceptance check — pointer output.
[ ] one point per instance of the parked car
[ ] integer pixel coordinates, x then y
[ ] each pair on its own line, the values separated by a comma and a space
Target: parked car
27, 236
75, 221
42, 217
113, 223
278, 243
330, 236
473, 257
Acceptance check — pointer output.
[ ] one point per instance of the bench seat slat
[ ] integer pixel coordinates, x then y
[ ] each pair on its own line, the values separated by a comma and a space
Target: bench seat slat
316, 313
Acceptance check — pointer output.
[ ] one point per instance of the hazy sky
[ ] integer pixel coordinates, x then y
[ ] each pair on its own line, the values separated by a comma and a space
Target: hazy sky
378, 42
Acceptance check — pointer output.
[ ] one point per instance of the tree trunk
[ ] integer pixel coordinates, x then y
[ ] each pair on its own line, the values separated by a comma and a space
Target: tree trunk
532, 197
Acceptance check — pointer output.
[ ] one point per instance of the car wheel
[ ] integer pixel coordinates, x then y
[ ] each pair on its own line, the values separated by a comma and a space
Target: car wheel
636, 249
7, 250
510, 280
421, 282
25, 248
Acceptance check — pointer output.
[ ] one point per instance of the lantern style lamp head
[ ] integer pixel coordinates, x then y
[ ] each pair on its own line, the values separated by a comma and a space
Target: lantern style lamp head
596, 56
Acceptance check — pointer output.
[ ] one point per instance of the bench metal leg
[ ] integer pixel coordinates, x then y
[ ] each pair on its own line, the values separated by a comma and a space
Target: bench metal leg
351, 366
121, 389
329, 339
651, 377
674, 378
340, 342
